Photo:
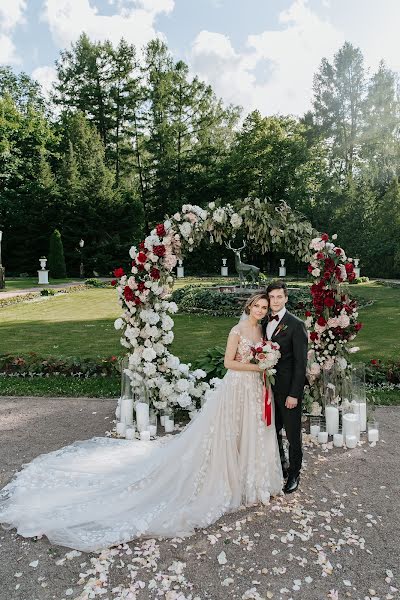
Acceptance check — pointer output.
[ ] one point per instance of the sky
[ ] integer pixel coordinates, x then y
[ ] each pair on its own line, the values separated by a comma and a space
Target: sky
259, 54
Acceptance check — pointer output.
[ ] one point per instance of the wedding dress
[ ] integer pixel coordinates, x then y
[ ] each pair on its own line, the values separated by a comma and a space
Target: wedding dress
102, 492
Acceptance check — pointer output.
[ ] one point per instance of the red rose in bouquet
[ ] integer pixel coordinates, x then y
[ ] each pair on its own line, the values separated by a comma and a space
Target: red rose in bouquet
320, 256
358, 326
142, 258
324, 237
119, 272
313, 336
155, 273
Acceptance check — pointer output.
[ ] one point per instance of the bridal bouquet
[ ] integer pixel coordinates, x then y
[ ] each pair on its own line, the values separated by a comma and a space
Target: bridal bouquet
266, 355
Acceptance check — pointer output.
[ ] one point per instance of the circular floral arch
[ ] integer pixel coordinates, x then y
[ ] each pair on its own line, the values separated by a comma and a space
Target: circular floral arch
146, 323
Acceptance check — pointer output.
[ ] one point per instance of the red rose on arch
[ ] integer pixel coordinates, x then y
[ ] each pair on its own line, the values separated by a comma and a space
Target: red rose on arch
160, 230
349, 267
142, 258
324, 237
141, 246
320, 255
119, 272
141, 286
155, 273
329, 302
308, 313
128, 293
351, 276
374, 361
137, 300
358, 326
159, 250
321, 321
114, 282
313, 336
310, 268
140, 267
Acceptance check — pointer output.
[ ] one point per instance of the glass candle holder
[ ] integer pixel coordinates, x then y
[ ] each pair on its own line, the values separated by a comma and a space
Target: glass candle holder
373, 431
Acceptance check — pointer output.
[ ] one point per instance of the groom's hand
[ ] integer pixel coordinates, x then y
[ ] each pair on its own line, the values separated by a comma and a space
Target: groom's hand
291, 402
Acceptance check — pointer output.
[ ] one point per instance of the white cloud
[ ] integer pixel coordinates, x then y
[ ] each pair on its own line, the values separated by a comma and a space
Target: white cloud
8, 54
11, 13
293, 54
46, 77
134, 21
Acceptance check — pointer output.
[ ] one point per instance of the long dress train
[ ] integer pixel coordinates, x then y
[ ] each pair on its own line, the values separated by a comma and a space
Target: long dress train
102, 492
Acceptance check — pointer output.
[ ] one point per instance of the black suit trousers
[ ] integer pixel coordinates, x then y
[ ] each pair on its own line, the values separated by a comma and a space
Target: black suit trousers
290, 419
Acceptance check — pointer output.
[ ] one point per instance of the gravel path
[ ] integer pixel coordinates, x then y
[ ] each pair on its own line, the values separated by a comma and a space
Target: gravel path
337, 538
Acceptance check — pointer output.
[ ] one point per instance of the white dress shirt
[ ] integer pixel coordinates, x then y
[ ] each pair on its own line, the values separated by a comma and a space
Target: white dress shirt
272, 325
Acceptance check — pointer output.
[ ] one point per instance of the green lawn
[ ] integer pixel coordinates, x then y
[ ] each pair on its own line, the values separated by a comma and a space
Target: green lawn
30, 282
81, 324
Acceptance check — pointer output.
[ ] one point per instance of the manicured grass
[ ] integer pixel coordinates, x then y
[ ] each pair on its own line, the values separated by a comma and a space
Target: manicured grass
379, 337
81, 325
30, 282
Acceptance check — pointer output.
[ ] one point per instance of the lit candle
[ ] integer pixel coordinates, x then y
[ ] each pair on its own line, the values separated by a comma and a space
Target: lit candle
351, 441
332, 419
323, 437
337, 440
121, 429
145, 435
314, 430
373, 435
127, 410
142, 415
169, 425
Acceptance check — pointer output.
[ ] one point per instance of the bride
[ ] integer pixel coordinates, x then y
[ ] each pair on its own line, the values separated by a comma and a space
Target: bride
103, 492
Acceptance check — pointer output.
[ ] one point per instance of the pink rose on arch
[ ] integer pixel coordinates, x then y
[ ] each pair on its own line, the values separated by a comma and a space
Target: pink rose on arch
315, 369
170, 261
191, 217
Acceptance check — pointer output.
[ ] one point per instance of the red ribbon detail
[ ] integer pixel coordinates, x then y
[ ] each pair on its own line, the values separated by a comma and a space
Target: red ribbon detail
267, 412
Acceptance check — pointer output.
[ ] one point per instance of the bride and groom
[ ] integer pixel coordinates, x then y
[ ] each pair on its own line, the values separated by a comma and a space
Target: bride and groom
103, 492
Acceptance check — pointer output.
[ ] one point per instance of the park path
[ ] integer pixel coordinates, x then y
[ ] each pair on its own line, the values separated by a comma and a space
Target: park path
337, 538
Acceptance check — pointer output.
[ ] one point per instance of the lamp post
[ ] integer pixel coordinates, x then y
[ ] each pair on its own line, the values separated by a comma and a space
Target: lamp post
2, 270
81, 267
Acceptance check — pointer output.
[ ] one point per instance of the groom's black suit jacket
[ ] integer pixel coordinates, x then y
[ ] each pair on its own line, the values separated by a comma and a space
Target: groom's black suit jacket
290, 376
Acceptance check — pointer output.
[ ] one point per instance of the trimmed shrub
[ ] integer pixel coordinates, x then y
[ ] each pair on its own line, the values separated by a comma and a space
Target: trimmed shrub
56, 256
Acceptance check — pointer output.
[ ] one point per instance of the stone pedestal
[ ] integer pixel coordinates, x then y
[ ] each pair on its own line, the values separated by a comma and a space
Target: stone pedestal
282, 271
43, 275
224, 271
2, 278
180, 272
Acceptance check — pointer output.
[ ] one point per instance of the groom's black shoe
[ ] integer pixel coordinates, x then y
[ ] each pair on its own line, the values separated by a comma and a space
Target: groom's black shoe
292, 484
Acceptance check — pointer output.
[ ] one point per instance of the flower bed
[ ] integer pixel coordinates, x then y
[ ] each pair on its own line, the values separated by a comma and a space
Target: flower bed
33, 365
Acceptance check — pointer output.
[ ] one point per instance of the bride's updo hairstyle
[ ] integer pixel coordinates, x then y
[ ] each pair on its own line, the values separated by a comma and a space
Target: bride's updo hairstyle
255, 298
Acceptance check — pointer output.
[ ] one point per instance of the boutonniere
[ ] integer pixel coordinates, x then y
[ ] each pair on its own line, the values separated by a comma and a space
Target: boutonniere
281, 327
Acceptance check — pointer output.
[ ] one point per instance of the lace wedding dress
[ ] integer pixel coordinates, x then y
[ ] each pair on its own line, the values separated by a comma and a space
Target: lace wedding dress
102, 492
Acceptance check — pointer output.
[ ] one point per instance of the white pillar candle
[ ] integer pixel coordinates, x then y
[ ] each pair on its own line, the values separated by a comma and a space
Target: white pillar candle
314, 430
130, 433
127, 410
162, 419
337, 440
145, 435
121, 429
373, 435
142, 415
153, 430
351, 441
323, 437
351, 425
363, 416
332, 419
169, 425
118, 411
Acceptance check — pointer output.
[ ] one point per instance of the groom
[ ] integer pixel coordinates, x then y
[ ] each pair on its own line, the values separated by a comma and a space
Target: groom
290, 333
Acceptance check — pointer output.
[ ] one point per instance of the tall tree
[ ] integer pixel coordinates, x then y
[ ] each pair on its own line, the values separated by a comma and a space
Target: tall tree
339, 91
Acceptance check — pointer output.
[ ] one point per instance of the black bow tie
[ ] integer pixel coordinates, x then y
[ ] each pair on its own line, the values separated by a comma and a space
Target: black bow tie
273, 318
